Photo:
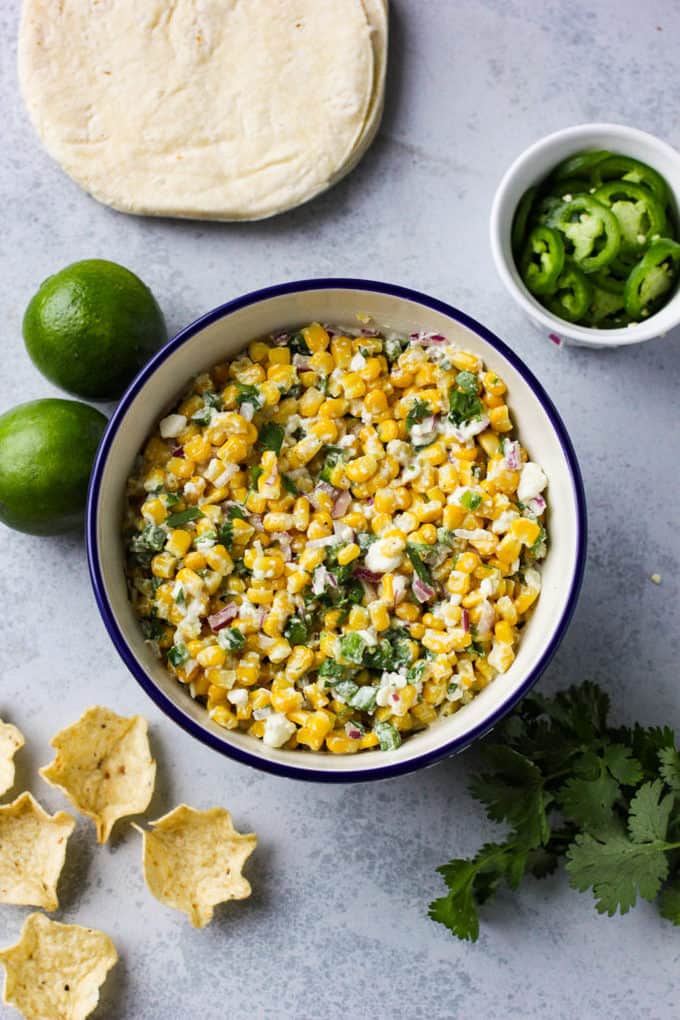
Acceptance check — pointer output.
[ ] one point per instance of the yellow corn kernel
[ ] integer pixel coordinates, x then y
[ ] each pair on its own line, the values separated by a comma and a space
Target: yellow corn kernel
447, 478
494, 385
507, 609
223, 716
525, 530
317, 726
408, 611
407, 697
286, 699
322, 362
424, 713
504, 632
280, 650
297, 582
508, 549
242, 531
368, 740
525, 599
258, 350
427, 512
310, 402
319, 529
316, 337
358, 618
301, 660
278, 356
501, 656
376, 402
278, 522
380, 618
384, 501
163, 565
234, 450
304, 451
180, 467
335, 407
348, 554
435, 454
380, 523
338, 742
315, 696
437, 641
257, 729
310, 559
388, 430
417, 630
466, 362
211, 657
198, 448
467, 562
361, 469
353, 386
325, 430
458, 583
270, 393
301, 513
248, 669
156, 450
154, 511
452, 516
179, 541
499, 419
260, 596
342, 351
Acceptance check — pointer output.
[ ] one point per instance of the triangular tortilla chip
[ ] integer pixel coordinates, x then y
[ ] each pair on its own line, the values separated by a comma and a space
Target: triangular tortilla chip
10, 742
32, 852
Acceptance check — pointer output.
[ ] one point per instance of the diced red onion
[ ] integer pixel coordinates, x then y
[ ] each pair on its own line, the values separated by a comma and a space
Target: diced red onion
428, 338
256, 521
352, 732
262, 617
536, 506
178, 451
364, 574
274, 474
281, 339
224, 616
394, 696
465, 620
512, 456
341, 504
422, 591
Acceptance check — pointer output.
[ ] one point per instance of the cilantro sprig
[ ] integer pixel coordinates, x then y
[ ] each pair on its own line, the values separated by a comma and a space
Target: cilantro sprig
569, 785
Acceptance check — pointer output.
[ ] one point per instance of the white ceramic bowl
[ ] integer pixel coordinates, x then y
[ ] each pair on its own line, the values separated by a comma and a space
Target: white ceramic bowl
533, 166
223, 332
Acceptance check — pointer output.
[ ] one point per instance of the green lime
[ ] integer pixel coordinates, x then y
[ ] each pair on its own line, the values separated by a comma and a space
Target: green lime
91, 327
46, 452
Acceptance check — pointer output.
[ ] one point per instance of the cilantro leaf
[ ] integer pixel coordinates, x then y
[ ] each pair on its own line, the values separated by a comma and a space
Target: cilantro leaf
270, 437
616, 869
298, 345
192, 513
590, 802
669, 901
650, 813
670, 767
415, 556
463, 406
622, 765
419, 411
467, 382
475, 881
289, 485
514, 793
246, 394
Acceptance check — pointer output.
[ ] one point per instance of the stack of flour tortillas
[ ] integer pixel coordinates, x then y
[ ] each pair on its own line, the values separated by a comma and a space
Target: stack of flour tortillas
207, 109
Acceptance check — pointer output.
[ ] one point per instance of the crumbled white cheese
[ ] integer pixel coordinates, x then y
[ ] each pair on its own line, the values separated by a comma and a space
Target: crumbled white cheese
369, 636
277, 730
171, 426
358, 362
385, 554
655, 578
400, 450
238, 697
502, 523
532, 482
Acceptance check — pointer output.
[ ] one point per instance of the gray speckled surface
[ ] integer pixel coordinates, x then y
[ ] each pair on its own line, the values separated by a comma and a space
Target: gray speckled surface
337, 923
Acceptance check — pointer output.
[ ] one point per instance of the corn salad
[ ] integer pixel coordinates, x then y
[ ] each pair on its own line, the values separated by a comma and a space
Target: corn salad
332, 541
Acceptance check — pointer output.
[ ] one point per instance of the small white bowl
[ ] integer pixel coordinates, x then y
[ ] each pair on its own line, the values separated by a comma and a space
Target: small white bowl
221, 334
531, 168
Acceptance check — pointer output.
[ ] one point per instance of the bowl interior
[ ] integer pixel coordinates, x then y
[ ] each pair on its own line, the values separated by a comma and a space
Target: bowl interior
221, 335
532, 167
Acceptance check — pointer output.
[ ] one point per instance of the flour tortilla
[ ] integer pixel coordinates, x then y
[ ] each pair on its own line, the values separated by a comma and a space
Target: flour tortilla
208, 109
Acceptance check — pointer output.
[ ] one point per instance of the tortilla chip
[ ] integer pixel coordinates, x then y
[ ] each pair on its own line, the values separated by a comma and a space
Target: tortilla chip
10, 742
193, 860
32, 852
56, 970
104, 766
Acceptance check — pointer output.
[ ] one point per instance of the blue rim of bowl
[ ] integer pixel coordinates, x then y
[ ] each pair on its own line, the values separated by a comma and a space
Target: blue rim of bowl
166, 704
